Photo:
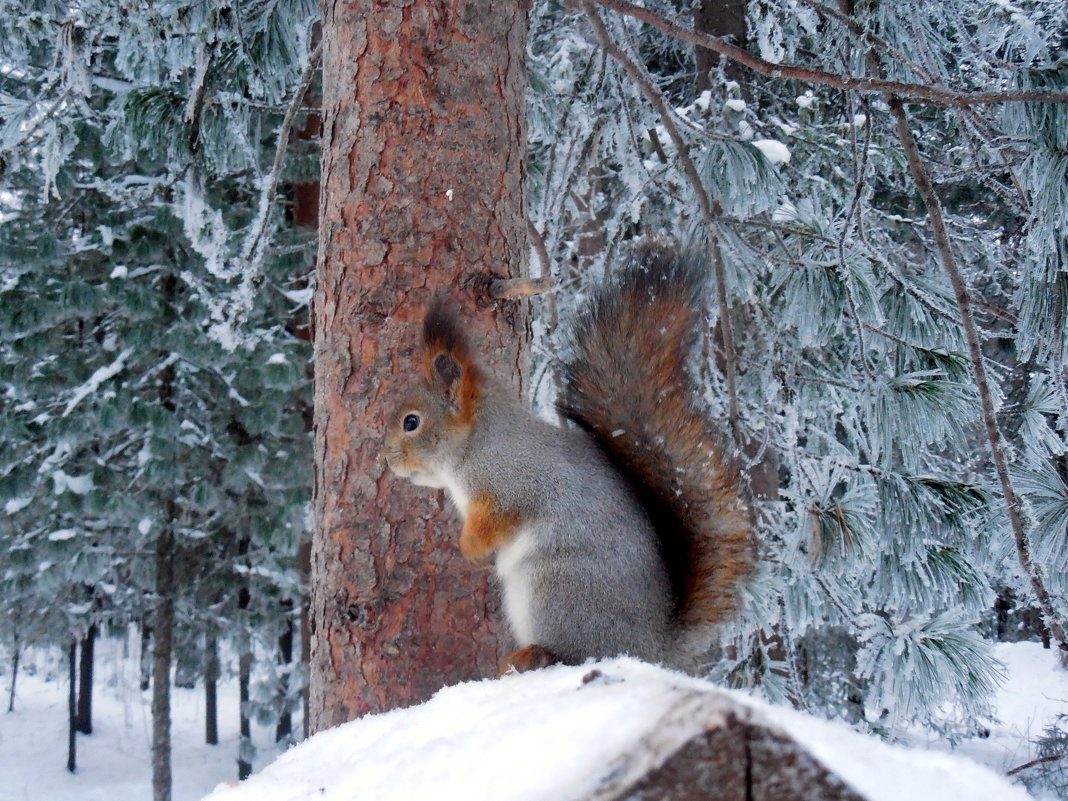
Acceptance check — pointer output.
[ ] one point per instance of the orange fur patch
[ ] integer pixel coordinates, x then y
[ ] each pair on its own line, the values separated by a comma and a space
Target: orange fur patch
487, 528
530, 658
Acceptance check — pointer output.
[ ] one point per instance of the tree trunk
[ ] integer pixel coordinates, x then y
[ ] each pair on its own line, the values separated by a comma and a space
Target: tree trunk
211, 678
146, 655
284, 730
162, 645
16, 648
726, 19
244, 674
244, 747
72, 706
163, 620
304, 566
423, 166
85, 682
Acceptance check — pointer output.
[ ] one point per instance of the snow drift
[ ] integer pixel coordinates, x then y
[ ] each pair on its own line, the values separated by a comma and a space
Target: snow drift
619, 729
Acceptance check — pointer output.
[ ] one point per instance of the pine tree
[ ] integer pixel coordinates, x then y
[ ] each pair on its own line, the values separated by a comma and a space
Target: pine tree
153, 383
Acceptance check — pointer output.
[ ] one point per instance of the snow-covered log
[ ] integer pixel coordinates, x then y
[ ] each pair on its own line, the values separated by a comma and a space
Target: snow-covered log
618, 730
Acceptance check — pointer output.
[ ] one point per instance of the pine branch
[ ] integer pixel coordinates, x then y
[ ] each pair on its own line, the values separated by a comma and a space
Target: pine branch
914, 92
709, 208
964, 305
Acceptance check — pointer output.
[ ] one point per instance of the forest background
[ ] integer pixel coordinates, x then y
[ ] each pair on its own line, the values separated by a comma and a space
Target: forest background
882, 192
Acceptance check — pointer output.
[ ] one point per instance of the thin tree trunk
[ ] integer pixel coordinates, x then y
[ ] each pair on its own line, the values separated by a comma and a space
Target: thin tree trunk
244, 673
423, 167
244, 756
726, 20
72, 706
15, 651
163, 641
304, 563
146, 655
85, 682
163, 622
284, 730
211, 678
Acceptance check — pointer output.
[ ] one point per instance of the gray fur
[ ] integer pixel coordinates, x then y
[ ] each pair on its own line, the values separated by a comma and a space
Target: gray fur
596, 583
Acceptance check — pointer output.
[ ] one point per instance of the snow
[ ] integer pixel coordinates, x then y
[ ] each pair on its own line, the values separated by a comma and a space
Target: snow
16, 505
1032, 695
113, 762
774, 150
546, 734
79, 485
566, 732
735, 105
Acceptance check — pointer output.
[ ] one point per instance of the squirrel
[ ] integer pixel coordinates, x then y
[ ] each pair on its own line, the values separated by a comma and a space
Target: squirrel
626, 533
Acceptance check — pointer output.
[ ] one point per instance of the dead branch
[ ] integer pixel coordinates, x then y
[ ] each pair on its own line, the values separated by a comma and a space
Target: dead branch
914, 92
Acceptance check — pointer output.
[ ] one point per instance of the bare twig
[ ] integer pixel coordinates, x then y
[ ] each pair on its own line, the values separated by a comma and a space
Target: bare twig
252, 252
912, 91
1034, 762
708, 208
501, 288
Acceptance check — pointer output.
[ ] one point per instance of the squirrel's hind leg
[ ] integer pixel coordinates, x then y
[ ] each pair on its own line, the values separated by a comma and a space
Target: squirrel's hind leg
530, 658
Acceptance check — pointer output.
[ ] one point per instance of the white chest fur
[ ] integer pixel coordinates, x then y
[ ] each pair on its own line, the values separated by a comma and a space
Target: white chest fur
515, 573
446, 481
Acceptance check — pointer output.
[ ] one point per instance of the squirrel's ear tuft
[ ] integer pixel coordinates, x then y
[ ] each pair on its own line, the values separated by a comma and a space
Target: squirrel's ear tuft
449, 363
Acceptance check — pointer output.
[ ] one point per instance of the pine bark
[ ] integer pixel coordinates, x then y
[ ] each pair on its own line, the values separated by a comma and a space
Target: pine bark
424, 149
85, 682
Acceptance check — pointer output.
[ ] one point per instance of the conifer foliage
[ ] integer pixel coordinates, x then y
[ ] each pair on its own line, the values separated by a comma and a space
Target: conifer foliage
153, 382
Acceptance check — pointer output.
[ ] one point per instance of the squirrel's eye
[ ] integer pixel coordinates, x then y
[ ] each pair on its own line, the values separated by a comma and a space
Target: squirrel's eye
411, 422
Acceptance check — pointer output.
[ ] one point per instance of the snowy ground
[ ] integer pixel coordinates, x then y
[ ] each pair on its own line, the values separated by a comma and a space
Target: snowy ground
113, 762
1033, 694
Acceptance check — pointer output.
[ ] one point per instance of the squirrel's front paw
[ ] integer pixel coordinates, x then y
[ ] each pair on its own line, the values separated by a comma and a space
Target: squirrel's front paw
530, 658
475, 552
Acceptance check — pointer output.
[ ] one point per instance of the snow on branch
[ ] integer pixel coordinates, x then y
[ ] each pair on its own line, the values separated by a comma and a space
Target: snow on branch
96, 379
914, 92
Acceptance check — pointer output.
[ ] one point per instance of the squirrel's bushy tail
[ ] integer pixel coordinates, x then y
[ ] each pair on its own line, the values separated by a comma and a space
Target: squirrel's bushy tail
627, 383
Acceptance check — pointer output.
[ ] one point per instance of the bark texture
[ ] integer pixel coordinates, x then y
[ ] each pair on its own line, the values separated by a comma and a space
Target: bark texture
724, 19
424, 149
740, 762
